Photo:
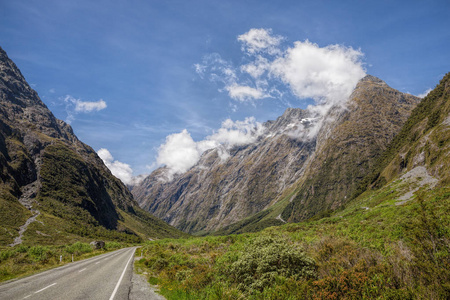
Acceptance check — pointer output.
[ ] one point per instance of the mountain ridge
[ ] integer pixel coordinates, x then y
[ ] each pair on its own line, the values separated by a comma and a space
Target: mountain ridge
48, 173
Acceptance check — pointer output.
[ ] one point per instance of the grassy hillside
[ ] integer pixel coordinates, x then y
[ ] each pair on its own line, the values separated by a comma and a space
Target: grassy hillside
374, 248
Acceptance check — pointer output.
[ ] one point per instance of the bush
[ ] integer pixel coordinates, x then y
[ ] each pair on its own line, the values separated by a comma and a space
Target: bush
4, 255
265, 260
22, 249
112, 245
39, 253
79, 248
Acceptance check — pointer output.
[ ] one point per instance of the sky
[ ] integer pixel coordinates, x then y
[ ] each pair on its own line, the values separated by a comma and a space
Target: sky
154, 83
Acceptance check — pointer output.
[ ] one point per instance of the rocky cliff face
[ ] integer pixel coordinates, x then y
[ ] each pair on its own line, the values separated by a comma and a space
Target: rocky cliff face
321, 170
46, 168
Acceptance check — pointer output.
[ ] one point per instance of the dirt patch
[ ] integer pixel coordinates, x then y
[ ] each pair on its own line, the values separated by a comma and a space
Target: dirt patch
416, 178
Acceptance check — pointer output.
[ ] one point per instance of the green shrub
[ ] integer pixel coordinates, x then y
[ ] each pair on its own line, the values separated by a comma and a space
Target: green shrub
39, 253
4, 255
112, 245
22, 249
79, 248
265, 260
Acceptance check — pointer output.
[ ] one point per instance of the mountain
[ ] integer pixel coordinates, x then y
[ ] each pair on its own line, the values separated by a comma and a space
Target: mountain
348, 147
422, 144
211, 194
54, 188
290, 173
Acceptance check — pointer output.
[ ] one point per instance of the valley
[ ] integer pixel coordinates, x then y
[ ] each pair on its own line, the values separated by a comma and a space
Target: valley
352, 203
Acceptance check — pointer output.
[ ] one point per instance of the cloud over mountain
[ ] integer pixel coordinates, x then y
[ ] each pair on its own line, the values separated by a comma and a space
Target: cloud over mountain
304, 70
119, 169
180, 152
323, 74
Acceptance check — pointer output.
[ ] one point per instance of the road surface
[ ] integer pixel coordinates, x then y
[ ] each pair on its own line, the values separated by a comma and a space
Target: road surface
105, 277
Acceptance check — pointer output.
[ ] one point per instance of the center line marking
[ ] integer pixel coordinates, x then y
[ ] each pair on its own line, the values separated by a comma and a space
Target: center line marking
45, 288
82, 270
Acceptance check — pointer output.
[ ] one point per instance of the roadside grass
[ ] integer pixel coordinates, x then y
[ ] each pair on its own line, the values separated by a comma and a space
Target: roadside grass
22, 260
371, 249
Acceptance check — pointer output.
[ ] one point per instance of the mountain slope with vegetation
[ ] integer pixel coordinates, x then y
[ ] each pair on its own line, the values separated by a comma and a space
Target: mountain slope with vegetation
375, 114
54, 188
289, 174
391, 241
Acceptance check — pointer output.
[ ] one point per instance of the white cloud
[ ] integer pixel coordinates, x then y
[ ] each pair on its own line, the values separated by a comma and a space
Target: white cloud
238, 132
86, 106
180, 152
75, 106
244, 93
119, 169
260, 40
223, 73
424, 93
324, 74
200, 69
327, 75
257, 68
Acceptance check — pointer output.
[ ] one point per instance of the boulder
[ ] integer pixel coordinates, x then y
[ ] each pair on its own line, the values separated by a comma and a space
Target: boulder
98, 244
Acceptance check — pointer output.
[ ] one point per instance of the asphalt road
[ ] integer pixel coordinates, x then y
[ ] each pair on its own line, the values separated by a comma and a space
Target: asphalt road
106, 276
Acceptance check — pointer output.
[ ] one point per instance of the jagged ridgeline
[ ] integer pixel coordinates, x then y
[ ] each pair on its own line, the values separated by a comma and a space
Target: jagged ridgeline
349, 146
289, 174
48, 174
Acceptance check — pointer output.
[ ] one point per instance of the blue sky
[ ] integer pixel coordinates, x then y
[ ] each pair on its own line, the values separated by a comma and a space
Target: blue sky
127, 74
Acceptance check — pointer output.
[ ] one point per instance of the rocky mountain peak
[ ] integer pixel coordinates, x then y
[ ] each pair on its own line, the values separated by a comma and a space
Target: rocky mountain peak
21, 105
13, 84
289, 118
371, 79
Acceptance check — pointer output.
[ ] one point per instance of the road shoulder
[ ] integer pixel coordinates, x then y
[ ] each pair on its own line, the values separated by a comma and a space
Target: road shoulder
141, 289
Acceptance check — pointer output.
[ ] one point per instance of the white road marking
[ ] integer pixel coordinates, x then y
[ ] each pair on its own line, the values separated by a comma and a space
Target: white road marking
121, 277
97, 263
45, 288
82, 270
27, 296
